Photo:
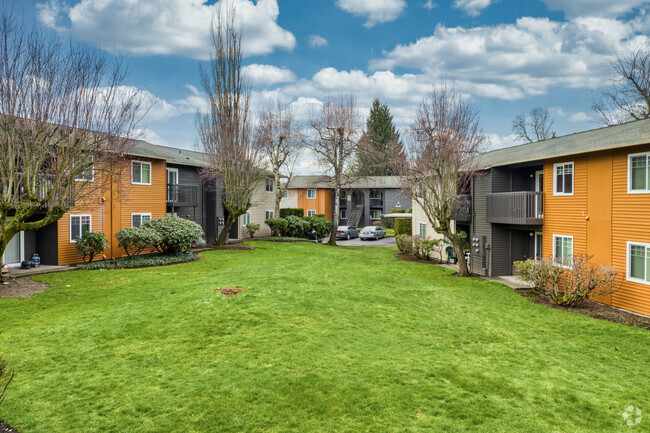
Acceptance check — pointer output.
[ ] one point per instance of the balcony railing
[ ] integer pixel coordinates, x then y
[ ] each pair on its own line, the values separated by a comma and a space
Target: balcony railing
182, 195
463, 210
521, 207
376, 202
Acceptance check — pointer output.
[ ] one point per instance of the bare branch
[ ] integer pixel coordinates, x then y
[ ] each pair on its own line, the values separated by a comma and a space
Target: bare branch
535, 126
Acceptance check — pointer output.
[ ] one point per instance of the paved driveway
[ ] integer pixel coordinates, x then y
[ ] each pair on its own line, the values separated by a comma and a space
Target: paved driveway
355, 242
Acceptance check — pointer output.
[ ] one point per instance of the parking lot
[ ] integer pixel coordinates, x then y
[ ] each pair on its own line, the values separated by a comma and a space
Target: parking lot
355, 242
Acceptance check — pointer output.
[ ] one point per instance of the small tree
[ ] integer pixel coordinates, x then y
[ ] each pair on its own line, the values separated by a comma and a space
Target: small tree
537, 125
6, 376
446, 141
91, 244
252, 228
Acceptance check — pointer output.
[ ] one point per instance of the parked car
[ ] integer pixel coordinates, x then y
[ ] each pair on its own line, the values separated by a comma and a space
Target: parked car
346, 232
372, 232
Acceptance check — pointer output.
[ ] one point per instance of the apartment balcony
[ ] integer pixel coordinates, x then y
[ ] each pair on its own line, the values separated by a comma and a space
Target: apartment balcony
182, 195
463, 210
376, 202
521, 207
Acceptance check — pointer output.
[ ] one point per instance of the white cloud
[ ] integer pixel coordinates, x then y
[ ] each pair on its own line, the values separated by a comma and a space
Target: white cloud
317, 41
472, 8
196, 100
166, 27
580, 117
150, 136
376, 11
430, 5
499, 141
602, 8
266, 75
512, 61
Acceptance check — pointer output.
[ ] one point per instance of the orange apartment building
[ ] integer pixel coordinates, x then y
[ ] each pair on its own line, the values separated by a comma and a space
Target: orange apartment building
586, 193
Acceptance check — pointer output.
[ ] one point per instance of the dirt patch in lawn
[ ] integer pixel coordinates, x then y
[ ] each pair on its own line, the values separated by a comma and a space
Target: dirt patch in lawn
231, 292
4, 428
21, 288
234, 247
591, 309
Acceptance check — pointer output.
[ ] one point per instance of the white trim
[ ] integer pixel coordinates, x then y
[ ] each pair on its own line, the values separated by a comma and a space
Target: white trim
573, 179
21, 245
311, 210
266, 212
311, 198
247, 214
629, 174
141, 215
92, 172
535, 245
628, 263
420, 224
266, 185
375, 210
70, 226
175, 170
150, 172
572, 249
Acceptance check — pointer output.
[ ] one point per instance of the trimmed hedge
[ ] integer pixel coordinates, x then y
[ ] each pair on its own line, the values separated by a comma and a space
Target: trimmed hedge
143, 261
289, 211
400, 210
403, 226
134, 240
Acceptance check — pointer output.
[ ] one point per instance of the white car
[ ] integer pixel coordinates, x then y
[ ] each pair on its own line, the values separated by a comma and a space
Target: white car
372, 232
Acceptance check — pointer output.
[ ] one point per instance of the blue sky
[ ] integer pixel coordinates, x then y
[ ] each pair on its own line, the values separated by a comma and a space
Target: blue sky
506, 56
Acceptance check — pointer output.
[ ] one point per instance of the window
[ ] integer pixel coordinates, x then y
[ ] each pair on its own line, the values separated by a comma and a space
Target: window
88, 174
563, 250
246, 219
79, 224
375, 193
269, 214
311, 193
423, 230
269, 185
137, 219
172, 184
285, 194
638, 168
375, 214
141, 173
563, 179
344, 214
638, 262
311, 213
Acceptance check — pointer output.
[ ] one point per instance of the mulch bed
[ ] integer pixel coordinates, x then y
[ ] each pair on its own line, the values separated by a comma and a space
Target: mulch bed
21, 288
409, 258
230, 292
234, 247
4, 428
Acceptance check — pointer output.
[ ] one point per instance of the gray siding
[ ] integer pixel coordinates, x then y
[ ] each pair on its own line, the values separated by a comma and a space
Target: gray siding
501, 251
481, 185
501, 181
188, 175
46, 244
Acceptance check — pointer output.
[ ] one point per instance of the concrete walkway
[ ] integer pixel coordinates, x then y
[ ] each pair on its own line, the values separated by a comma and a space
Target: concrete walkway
43, 269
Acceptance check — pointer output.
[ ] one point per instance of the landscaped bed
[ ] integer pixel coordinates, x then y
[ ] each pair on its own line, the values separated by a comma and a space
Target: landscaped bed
321, 339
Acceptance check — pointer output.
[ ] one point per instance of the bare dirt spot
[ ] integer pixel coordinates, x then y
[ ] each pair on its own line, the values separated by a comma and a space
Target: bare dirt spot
4, 428
230, 292
234, 247
21, 288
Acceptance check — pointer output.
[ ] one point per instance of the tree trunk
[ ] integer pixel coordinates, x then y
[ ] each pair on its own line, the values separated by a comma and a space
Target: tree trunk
463, 270
278, 197
223, 236
335, 215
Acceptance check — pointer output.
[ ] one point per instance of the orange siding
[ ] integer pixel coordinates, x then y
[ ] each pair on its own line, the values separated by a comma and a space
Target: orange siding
322, 204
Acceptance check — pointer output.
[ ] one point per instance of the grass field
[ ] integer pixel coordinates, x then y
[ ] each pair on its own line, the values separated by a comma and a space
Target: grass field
322, 339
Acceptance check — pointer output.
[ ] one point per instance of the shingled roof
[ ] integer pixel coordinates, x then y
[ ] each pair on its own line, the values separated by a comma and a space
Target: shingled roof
370, 182
609, 137
170, 154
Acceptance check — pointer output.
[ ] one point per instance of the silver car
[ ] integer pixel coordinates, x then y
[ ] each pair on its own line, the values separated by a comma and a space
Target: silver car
346, 232
372, 232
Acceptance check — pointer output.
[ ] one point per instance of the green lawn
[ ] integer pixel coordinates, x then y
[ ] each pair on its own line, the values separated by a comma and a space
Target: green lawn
323, 339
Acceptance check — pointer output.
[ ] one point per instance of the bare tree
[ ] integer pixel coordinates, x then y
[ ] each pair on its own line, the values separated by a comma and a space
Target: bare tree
628, 95
442, 157
65, 119
337, 128
537, 125
225, 133
280, 141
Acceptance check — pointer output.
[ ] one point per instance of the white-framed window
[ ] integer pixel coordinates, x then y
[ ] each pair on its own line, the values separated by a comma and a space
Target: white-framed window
137, 219
375, 193
268, 214
79, 224
269, 184
246, 219
638, 173
285, 194
375, 214
311, 193
638, 262
563, 178
311, 213
344, 214
88, 174
140, 173
422, 229
563, 250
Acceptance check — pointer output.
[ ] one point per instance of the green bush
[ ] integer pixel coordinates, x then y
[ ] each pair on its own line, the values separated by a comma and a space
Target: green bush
134, 240
376, 223
252, 228
403, 226
388, 222
277, 225
321, 226
297, 227
143, 261
422, 248
90, 244
319, 215
404, 243
292, 211
177, 234
400, 210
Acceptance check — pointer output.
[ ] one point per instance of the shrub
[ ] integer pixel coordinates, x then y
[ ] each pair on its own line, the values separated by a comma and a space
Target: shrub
376, 223
136, 239
277, 225
321, 226
568, 287
422, 248
319, 215
404, 243
252, 228
177, 234
292, 211
6, 376
388, 222
90, 244
297, 227
143, 261
400, 210
403, 226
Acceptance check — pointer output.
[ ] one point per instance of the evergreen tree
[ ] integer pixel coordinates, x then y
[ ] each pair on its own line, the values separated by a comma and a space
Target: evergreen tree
380, 145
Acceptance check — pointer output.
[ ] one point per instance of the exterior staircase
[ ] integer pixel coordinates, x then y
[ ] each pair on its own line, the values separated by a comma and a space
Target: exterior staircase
355, 216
